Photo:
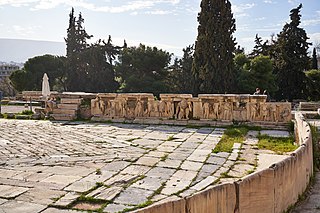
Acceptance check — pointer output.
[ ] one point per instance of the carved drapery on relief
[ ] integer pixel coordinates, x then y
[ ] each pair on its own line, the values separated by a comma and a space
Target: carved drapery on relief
184, 106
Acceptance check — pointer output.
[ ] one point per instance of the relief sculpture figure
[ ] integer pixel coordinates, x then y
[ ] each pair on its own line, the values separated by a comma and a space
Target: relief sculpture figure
227, 108
216, 110
162, 108
206, 110
138, 109
102, 106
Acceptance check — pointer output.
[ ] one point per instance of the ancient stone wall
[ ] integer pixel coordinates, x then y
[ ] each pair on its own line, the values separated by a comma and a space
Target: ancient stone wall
207, 107
271, 190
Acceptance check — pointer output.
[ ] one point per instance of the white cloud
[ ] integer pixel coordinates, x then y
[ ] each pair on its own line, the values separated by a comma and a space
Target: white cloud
239, 10
132, 5
242, 7
293, 1
314, 38
269, 2
158, 12
310, 22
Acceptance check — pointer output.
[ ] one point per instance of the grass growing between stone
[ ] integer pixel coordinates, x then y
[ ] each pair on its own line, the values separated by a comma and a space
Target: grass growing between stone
277, 144
231, 135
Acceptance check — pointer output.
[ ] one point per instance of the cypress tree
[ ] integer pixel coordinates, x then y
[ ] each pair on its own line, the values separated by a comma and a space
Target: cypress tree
213, 58
76, 42
291, 58
314, 59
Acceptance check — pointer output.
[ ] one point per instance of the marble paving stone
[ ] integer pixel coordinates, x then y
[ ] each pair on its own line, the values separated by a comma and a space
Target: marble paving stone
148, 183
204, 183
61, 179
54, 210
133, 196
221, 154
216, 160
121, 179
147, 161
6, 173
160, 172
209, 168
184, 175
205, 130
2, 201
98, 177
37, 177
67, 199
80, 186
14, 206
135, 170
73, 171
163, 148
188, 192
156, 154
40, 196
23, 175
11, 191
168, 163
190, 165
115, 166
105, 193
233, 156
175, 185
158, 197
179, 154
114, 208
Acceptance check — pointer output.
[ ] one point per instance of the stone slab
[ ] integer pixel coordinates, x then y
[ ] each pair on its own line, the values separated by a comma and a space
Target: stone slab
21, 207
133, 196
10, 192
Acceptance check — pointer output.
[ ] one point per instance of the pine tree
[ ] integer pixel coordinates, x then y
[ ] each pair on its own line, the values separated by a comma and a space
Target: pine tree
213, 59
314, 59
291, 58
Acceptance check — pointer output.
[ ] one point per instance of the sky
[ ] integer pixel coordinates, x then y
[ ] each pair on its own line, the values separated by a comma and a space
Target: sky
168, 24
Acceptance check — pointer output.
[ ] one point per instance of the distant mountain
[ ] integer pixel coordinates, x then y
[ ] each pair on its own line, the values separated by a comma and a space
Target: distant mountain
20, 50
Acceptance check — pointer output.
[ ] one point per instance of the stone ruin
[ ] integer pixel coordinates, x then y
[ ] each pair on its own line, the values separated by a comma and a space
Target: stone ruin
217, 107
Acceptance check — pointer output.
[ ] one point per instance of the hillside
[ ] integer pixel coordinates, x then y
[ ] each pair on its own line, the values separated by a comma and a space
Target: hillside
20, 50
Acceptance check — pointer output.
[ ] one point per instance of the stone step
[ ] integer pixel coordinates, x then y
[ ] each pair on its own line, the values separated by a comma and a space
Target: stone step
68, 106
70, 100
63, 117
65, 111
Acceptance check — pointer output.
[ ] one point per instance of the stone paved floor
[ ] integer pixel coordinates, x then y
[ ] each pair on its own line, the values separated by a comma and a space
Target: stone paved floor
47, 166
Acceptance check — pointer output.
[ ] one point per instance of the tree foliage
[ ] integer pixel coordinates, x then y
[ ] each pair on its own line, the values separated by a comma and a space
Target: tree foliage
143, 69
90, 67
253, 73
314, 59
313, 84
214, 48
180, 78
291, 58
30, 77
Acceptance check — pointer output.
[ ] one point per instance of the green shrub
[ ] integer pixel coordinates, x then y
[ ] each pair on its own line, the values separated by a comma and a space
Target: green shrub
27, 112
279, 145
231, 135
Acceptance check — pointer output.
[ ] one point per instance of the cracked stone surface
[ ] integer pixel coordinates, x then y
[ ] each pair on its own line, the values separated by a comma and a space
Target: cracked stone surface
46, 166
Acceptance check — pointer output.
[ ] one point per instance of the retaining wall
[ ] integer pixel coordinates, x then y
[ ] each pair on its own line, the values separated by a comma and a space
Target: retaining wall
271, 190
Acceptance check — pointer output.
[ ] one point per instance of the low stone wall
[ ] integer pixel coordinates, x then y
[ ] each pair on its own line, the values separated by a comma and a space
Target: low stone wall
271, 190
205, 107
